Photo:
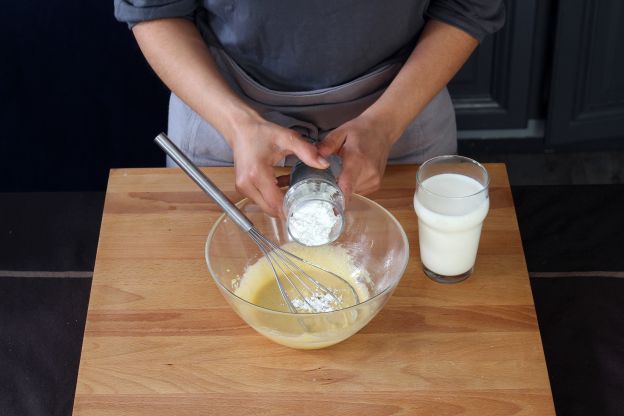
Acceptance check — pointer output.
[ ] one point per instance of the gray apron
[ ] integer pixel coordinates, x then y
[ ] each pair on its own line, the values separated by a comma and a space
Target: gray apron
313, 114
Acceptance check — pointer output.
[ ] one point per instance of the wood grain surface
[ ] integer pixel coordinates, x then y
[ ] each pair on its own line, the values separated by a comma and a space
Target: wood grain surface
161, 340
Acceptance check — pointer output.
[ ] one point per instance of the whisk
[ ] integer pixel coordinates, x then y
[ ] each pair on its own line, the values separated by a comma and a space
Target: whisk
301, 292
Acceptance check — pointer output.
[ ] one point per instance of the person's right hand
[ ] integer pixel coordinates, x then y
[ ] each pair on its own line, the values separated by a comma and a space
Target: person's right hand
258, 145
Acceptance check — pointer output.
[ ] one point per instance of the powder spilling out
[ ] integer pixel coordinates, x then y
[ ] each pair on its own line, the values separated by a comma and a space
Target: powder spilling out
314, 223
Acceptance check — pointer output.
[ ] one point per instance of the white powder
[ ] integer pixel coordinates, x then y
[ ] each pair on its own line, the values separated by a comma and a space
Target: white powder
312, 223
318, 303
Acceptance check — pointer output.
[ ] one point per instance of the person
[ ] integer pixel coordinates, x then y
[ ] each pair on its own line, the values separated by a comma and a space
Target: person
258, 83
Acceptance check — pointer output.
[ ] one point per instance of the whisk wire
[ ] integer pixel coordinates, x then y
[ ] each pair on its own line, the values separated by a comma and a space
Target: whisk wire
280, 286
288, 278
324, 290
282, 260
316, 266
268, 249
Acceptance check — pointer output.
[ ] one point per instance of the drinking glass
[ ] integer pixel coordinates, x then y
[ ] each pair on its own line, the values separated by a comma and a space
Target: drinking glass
451, 202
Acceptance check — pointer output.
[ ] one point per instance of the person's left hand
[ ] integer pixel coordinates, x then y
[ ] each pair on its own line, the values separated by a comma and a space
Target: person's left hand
364, 146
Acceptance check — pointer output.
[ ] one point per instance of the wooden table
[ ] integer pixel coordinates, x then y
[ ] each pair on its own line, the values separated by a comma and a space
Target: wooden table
161, 340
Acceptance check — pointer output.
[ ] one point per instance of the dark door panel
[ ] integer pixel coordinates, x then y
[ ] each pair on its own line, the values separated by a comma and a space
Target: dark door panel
492, 90
587, 93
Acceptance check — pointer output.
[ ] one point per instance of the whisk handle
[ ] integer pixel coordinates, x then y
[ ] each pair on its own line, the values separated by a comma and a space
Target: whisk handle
202, 180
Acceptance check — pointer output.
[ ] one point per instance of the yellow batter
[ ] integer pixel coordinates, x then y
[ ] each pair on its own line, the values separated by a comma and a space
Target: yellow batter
258, 284
307, 330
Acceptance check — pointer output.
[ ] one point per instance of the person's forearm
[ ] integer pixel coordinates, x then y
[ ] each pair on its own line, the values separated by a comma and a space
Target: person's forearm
177, 53
440, 52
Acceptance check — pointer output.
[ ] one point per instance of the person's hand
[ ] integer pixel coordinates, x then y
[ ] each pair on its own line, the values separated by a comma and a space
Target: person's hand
363, 146
258, 145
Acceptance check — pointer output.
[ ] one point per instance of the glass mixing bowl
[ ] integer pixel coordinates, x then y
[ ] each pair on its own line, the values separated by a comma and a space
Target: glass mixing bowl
373, 238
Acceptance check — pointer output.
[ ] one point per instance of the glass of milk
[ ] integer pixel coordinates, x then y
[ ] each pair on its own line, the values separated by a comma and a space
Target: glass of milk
451, 202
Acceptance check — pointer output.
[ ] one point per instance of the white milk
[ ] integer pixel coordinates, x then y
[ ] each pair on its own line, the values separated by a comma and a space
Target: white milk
449, 228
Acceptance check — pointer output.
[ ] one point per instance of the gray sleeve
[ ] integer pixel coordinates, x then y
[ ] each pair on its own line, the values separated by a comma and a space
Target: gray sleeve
136, 11
478, 18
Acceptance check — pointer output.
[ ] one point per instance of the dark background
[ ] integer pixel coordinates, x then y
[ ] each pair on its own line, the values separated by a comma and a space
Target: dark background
545, 95
79, 99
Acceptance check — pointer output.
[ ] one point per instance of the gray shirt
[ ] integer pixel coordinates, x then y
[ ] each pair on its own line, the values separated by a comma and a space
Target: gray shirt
307, 45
